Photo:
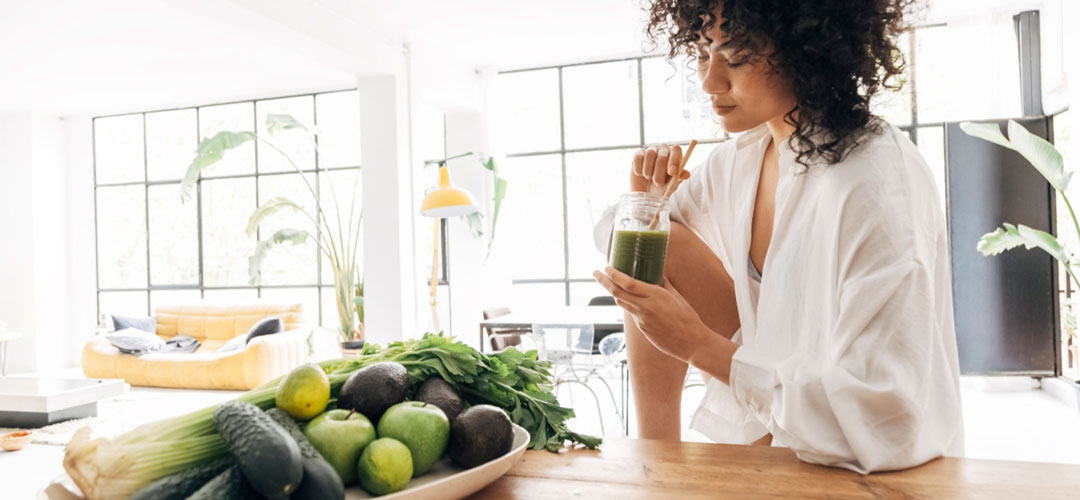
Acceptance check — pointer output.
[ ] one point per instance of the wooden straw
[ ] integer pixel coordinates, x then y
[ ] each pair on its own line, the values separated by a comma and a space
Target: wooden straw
673, 184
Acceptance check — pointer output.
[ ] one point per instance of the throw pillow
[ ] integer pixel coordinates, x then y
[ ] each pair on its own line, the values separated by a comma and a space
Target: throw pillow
144, 324
135, 341
237, 342
265, 327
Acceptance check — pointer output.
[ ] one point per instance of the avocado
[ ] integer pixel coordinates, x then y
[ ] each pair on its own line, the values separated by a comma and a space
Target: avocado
436, 391
480, 434
373, 389
268, 457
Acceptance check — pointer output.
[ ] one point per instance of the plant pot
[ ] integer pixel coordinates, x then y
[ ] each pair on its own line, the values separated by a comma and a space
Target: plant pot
352, 344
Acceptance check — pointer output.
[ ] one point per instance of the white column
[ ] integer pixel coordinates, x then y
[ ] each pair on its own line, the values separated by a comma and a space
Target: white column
388, 276
33, 256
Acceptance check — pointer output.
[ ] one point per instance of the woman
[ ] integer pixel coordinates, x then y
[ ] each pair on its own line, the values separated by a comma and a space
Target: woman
807, 273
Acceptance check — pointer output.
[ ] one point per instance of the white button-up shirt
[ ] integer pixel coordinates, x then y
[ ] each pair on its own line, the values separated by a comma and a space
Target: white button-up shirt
848, 349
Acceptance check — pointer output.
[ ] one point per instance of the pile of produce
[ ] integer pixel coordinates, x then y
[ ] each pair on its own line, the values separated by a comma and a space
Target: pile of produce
376, 420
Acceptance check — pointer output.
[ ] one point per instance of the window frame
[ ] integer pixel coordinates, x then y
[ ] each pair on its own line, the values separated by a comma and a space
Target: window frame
317, 285
566, 280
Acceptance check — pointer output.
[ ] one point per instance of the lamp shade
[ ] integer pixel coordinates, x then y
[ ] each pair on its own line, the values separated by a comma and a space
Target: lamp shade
447, 200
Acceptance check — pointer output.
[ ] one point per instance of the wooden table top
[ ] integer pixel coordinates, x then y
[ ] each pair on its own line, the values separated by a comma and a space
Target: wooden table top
633, 468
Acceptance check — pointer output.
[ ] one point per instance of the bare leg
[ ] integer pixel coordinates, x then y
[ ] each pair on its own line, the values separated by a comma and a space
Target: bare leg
697, 273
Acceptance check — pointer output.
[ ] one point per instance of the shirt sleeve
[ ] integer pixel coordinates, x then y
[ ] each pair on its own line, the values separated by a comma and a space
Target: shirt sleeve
883, 401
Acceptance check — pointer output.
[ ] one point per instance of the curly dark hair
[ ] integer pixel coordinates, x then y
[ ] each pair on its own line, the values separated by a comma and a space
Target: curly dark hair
837, 54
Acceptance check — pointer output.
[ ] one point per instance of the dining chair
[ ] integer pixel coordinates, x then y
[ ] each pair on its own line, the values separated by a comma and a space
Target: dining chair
603, 332
570, 350
501, 338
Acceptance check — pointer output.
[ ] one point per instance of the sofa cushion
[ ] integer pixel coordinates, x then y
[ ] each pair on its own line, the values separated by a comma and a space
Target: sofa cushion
144, 324
237, 342
266, 326
135, 341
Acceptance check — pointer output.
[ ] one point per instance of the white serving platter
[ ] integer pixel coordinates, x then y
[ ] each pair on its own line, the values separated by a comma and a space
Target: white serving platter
444, 482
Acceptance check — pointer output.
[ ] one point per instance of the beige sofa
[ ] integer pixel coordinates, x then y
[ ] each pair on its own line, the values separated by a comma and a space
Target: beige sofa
263, 359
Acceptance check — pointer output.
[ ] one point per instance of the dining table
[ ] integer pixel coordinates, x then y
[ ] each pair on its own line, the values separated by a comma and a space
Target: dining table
600, 317
625, 468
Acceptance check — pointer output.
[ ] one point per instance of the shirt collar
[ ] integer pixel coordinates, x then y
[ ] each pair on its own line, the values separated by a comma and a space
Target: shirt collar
755, 135
759, 137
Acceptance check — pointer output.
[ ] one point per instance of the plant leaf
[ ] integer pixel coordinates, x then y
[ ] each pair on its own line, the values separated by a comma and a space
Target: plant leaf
476, 223
272, 206
500, 193
294, 236
209, 152
1010, 236
987, 131
1042, 155
279, 122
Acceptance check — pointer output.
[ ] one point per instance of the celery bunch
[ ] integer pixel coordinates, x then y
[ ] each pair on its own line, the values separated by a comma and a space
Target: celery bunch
513, 380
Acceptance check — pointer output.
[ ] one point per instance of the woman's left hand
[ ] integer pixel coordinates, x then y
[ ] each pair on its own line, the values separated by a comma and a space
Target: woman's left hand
660, 312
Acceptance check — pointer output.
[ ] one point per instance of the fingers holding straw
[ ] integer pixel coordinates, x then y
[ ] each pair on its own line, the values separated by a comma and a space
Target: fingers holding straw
676, 167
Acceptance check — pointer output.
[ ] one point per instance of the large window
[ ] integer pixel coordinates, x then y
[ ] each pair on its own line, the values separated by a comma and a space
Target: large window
569, 133
153, 250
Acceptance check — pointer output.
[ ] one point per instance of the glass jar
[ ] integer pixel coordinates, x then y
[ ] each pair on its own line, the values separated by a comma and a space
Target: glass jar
635, 249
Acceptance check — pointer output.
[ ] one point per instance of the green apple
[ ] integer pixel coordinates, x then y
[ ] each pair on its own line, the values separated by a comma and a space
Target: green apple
340, 436
422, 427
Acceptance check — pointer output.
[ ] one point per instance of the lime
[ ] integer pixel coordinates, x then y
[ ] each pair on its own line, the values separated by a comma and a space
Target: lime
304, 392
385, 466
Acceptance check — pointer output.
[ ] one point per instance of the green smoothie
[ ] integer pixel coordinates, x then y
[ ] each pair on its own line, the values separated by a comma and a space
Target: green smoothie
640, 254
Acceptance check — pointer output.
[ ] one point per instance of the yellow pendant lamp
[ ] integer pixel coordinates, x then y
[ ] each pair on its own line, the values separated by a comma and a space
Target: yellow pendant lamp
447, 200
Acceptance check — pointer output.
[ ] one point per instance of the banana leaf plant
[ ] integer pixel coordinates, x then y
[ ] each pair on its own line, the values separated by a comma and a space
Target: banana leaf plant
1048, 161
339, 241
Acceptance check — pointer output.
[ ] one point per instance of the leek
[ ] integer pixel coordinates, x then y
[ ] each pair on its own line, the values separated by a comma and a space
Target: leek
114, 468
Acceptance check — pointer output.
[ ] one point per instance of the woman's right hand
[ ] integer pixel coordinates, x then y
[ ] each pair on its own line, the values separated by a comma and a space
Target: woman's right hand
654, 167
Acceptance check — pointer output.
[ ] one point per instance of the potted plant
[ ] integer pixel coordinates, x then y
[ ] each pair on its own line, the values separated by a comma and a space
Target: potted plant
1048, 161
339, 241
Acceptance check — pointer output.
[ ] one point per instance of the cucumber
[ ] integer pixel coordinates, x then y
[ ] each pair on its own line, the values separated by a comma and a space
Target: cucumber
320, 482
181, 485
229, 485
269, 459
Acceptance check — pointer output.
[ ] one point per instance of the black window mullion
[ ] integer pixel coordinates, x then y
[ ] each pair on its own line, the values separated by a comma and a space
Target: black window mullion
565, 202
913, 134
198, 214
146, 213
258, 171
318, 203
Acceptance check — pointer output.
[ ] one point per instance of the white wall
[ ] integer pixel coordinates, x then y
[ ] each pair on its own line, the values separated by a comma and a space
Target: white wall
34, 205
17, 248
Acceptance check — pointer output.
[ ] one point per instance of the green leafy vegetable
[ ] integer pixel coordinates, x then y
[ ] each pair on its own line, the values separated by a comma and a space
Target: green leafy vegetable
511, 379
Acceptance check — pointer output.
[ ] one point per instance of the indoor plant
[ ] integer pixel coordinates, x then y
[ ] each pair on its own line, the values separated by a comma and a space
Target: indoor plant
338, 242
